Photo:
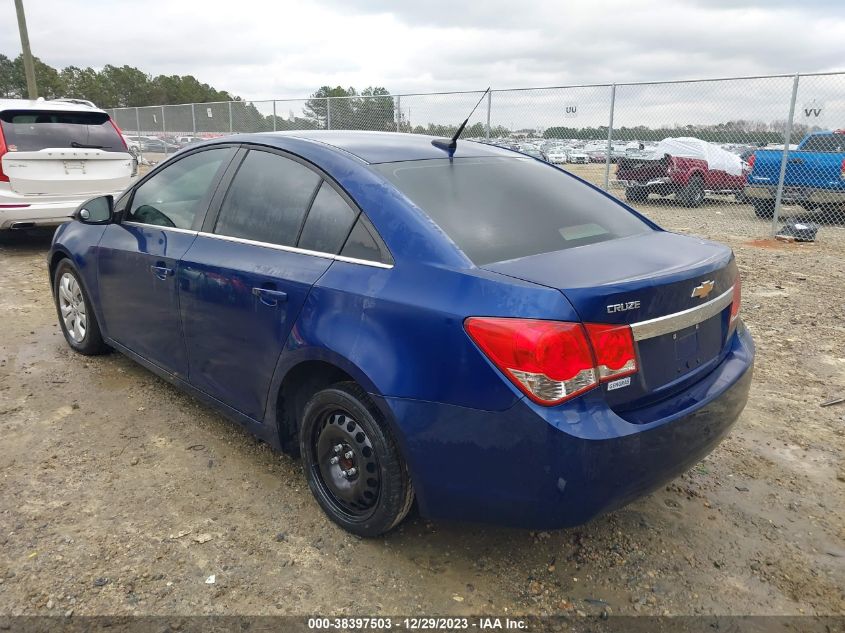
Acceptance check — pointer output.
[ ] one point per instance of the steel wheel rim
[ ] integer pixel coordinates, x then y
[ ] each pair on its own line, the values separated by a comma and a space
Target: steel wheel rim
345, 465
72, 307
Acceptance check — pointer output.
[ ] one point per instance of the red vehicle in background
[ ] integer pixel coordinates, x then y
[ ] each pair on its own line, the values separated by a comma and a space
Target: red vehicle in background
687, 168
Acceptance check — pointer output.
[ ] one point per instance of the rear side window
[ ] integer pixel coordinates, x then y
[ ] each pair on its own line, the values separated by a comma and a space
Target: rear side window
328, 222
365, 243
267, 199
827, 143
33, 130
500, 208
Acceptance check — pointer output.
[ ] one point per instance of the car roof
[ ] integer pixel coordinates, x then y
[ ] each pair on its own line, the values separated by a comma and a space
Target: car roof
43, 104
387, 147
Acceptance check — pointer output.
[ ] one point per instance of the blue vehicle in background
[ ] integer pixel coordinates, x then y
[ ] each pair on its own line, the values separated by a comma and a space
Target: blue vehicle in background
814, 177
458, 324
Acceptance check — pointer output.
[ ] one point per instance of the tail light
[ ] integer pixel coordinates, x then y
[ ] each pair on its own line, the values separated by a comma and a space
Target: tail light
3, 149
614, 349
842, 170
751, 160
737, 298
554, 361
119, 134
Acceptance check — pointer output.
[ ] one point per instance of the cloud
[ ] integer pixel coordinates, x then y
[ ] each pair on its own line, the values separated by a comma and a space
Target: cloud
288, 48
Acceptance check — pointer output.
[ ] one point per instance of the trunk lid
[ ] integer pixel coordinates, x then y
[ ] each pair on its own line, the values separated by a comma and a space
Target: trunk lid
648, 281
67, 171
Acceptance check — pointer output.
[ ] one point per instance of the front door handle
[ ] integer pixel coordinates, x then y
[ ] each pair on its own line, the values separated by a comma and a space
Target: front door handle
161, 271
270, 297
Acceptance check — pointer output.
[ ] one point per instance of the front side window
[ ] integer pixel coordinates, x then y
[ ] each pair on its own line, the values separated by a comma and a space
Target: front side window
825, 143
500, 208
268, 199
175, 195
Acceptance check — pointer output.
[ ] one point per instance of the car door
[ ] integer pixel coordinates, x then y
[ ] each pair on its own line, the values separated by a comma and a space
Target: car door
136, 260
245, 279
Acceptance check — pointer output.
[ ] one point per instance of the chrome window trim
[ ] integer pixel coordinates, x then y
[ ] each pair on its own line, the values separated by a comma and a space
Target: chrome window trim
294, 249
680, 320
163, 228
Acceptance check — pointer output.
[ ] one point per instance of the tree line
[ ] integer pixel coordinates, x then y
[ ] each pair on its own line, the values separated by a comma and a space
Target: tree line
111, 87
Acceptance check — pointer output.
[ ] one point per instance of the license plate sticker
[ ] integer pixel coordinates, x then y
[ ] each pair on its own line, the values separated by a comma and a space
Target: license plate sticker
618, 384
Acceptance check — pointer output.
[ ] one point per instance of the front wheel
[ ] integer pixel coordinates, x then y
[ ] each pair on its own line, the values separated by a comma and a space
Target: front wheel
76, 316
636, 194
352, 463
692, 195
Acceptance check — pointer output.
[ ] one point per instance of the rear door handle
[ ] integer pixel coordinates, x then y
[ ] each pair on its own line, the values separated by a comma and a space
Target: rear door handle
160, 271
270, 297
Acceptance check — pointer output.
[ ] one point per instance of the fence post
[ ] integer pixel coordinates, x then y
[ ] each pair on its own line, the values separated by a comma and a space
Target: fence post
138, 133
274, 115
609, 137
398, 111
787, 137
163, 131
328, 113
489, 106
231, 129
194, 118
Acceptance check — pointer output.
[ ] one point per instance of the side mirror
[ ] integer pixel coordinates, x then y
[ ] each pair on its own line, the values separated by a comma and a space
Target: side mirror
99, 210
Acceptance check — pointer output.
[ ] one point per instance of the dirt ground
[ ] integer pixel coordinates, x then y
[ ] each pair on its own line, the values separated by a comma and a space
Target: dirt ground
121, 495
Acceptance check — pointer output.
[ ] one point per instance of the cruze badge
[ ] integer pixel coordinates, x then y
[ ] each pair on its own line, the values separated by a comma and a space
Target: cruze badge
623, 307
705, 288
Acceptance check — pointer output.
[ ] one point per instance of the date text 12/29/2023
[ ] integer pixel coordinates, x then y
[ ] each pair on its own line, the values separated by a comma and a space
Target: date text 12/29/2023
420, 623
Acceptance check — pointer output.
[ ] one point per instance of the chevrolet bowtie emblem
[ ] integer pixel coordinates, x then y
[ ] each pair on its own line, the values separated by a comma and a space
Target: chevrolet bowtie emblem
705, 288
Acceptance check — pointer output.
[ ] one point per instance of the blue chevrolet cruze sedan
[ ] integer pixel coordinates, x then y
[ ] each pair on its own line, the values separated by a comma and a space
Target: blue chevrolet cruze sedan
483, 332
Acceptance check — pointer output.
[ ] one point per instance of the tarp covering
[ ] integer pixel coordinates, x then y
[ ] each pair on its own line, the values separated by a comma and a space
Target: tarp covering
688, 147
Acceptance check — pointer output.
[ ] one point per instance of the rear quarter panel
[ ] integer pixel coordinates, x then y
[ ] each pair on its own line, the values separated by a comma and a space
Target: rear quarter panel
400, 332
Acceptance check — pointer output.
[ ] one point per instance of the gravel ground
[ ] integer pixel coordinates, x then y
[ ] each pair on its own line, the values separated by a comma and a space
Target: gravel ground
121, 495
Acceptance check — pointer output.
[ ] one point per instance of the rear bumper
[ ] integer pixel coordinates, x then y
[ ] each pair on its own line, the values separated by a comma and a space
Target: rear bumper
546, 468
796, 194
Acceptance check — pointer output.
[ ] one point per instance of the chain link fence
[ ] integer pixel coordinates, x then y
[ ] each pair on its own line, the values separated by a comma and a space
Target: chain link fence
717, 158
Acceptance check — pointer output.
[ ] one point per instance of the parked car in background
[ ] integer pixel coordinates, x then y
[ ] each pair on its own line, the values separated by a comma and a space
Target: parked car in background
597, 156
185, 141
577, 157
557, 155
155, 145
814, 177
331, 291
687, 168
533, 151
54, 155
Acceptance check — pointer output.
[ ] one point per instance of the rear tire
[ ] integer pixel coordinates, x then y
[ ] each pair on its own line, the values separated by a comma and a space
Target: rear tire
764, 209
375, 497
692, 195
76, 316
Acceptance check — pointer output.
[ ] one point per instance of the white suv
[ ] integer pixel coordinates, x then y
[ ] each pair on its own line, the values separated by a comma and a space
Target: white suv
54, 155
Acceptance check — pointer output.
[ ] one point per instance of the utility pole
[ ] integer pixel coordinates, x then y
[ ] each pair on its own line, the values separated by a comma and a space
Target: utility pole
28, 63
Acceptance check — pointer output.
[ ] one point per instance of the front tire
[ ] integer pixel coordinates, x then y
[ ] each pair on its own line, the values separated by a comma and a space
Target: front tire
76, 316
636, 194
352, 463
692, 195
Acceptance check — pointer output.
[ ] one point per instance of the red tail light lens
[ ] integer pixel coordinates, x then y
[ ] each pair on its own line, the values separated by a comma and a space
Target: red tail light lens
614, 349
550, 361
737, 298
119, 133
751, 160
842, 170
3, 177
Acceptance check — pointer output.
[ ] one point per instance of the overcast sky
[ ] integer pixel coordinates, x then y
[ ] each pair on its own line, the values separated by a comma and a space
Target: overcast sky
288, 48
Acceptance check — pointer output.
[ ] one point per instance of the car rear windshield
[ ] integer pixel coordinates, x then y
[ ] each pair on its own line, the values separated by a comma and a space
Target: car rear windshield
827, 143
498, 208
32, 130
